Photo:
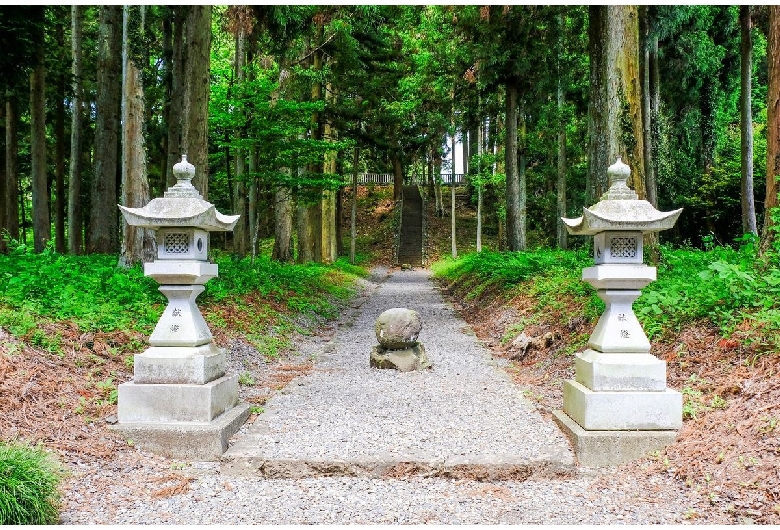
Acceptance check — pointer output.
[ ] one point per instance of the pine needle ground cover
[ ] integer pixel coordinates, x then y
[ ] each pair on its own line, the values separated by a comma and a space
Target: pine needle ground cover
712, 315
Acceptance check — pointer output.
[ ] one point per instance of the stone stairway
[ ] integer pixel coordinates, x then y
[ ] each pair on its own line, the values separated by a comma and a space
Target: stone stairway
410, 249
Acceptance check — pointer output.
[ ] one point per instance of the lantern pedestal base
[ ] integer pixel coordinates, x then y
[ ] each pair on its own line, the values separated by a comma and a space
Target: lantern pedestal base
187, 441
622, 411
596, 448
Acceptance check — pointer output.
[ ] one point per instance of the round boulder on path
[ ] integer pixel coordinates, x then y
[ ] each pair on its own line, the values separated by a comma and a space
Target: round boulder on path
398, 328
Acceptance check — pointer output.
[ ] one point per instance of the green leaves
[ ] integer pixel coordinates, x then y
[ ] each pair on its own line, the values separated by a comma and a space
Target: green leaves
29, 481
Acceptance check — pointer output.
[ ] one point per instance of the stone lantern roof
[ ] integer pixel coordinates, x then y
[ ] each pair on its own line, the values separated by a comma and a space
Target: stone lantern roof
181, 206
620, 209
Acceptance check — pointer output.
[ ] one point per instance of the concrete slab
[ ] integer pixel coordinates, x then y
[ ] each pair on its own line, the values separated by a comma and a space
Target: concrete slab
620, 372
608, 448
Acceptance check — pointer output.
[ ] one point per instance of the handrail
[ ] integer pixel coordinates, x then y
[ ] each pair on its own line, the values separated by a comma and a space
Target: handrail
387, 179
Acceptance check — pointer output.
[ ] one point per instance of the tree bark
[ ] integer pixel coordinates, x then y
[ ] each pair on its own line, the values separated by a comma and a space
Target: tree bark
305, 237
75, 219
103, 233
241, 230
514, 229
196, 93
560, 185
616, 111
138, 244
4, 195
59, 167
329, 252
12, 165
40, 185
480, 180
746, 123
353, 209
175, 90
769, 235
453, 225
648, 115
283, 210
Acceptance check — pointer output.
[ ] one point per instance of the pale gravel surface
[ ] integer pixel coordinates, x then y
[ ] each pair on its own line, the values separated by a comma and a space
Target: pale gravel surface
465, 407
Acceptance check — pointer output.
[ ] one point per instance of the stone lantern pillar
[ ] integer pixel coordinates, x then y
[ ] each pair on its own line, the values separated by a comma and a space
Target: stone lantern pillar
180, 402
618, 407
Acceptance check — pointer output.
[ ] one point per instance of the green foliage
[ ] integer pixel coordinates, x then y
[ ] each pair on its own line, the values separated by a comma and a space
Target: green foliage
90, 290
727, 286
29, 481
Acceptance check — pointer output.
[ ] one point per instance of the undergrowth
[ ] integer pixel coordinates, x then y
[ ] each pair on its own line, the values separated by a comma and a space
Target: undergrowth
96, 295
726, 285
29, 480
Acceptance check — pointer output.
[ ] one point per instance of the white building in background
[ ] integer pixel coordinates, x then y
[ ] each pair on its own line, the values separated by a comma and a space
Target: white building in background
446, 161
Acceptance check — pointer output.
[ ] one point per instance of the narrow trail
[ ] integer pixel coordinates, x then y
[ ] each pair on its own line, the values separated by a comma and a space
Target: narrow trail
348, 444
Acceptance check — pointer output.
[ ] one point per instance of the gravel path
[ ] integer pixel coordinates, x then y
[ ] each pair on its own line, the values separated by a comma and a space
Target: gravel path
462, 416
348, 444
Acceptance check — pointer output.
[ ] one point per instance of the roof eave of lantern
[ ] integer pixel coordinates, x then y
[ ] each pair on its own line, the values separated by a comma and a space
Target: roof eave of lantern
627, 215
160, 213
620, 209
181, 206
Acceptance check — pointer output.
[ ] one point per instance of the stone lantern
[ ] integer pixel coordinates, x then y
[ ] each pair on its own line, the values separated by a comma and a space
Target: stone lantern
181, 403
618, 406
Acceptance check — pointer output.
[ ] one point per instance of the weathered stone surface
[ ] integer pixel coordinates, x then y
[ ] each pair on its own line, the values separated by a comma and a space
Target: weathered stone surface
405, 360
622, 411
398, 328
609, 448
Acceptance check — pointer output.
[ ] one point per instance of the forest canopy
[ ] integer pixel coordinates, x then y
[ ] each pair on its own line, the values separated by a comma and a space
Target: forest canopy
279, 107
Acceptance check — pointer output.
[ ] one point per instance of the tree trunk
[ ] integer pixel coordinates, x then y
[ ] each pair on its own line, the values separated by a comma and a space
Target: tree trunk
398, 175
4, 195
515, 231
305, 235
616, 110
353, 210
453, 239
40, 185
283, 214
241, 230
329, 252
480, 180
561, 232
75, 220
175, 87
746, 122
647, 108
59, 167
769, 236
196, 93
253, 219
11, 166
138, 244
103, 237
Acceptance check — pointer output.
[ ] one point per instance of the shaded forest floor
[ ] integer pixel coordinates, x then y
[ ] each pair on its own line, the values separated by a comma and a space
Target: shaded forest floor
727, 455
